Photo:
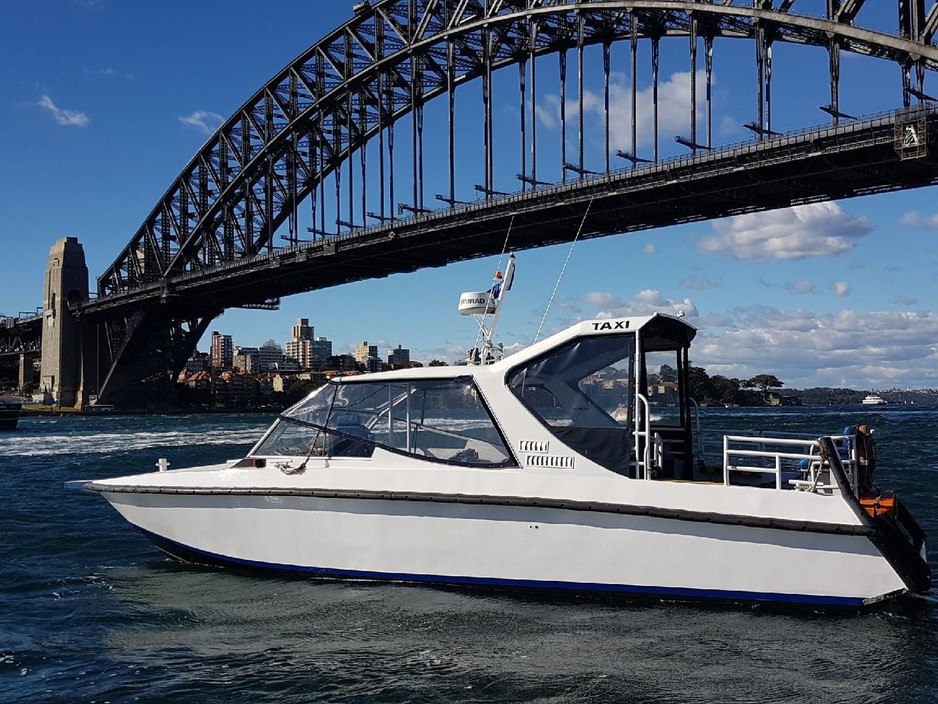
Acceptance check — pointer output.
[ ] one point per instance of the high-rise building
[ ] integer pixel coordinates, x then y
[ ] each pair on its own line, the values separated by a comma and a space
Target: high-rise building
320, 350
298, 350
246, 359
222, 351
304, 349
269, 357
252, 360
198, 362
364, 352
399, 357
302, 330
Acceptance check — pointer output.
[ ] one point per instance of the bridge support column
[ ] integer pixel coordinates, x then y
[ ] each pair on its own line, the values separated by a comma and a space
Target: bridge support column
66, 282
25, 371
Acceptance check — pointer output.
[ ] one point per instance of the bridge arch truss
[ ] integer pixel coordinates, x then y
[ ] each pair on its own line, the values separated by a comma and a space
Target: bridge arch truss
317, 116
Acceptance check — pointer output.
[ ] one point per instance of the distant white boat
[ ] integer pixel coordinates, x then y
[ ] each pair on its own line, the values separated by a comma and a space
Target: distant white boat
873, 400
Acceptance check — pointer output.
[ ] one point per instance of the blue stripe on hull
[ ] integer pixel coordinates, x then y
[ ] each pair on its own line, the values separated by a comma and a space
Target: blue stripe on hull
190, 554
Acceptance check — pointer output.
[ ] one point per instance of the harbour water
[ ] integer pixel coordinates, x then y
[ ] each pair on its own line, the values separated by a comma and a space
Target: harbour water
90, 612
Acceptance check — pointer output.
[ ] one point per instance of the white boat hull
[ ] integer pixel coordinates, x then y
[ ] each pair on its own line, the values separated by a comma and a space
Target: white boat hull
531, 547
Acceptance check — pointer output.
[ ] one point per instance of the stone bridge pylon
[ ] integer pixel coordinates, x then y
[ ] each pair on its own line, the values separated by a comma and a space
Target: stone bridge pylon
66, 285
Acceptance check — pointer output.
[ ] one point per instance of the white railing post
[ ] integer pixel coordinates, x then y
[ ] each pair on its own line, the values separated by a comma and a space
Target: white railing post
726, 460
645, 416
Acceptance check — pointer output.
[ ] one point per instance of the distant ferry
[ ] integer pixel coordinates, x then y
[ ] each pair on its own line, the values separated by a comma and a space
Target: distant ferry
873, 400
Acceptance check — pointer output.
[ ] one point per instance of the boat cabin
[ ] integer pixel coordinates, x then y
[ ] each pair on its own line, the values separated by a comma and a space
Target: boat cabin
618, 395
614, 391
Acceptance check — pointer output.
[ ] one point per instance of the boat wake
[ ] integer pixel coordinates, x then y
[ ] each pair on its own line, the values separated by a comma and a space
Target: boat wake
115, 442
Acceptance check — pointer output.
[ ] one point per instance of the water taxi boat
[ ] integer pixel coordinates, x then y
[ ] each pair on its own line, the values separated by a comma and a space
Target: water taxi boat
873, 400
575, 465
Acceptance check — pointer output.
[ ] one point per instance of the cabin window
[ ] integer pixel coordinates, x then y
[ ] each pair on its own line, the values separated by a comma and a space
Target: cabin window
440, 420
664, 388
582, 392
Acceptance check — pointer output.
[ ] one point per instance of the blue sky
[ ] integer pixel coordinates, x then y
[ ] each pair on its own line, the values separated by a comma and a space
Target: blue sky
103, 102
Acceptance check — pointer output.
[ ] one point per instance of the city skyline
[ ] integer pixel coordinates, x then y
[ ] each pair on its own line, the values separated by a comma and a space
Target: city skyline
828, 294
223, 349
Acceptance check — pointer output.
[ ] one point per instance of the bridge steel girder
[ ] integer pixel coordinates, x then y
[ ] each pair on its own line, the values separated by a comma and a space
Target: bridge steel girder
249, 177
844, 161
19, 335
219, 218
20, 345
151, 344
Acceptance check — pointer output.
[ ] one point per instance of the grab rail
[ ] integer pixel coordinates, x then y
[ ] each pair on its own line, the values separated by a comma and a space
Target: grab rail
643, 460
798, 457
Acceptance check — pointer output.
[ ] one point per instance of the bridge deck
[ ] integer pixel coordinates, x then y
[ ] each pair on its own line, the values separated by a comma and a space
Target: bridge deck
855, 159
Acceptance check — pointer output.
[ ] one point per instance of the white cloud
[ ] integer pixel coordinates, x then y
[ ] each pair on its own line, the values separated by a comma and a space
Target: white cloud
108, 73
203, 121
805, 349
696, 282
915, 219
601, 300
841, 288
801, 287
813, 230
607, 305
801, 347
548, 111
649, 248
906, 301
673, 112
68, 118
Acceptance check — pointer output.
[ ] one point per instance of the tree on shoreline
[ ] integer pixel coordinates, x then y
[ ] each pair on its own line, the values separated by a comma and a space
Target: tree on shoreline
764, 382
720, 390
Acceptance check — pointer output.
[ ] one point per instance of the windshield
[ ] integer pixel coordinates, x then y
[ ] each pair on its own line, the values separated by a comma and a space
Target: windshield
441, 420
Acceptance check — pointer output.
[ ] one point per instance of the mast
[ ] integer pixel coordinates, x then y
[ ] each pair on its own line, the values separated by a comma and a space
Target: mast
486, 308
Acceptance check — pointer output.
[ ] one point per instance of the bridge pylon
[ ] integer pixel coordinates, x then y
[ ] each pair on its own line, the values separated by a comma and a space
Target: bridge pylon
66, 285
25, 370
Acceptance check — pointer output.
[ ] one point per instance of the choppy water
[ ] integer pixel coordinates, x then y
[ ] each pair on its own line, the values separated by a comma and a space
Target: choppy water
90, 612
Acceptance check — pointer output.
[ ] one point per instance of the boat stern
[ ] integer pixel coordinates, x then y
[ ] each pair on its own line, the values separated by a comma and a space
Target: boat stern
901, 540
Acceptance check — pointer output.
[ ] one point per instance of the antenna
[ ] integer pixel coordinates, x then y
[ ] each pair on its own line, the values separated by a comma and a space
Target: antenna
486, 307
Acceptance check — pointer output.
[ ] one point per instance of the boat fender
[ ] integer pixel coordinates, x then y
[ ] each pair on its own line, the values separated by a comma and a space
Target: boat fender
866, 457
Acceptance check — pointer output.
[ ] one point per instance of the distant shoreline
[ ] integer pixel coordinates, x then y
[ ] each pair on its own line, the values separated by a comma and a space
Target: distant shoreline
37, 410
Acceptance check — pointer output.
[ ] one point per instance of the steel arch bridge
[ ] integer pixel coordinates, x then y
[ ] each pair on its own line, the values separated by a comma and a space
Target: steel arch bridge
329, 120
